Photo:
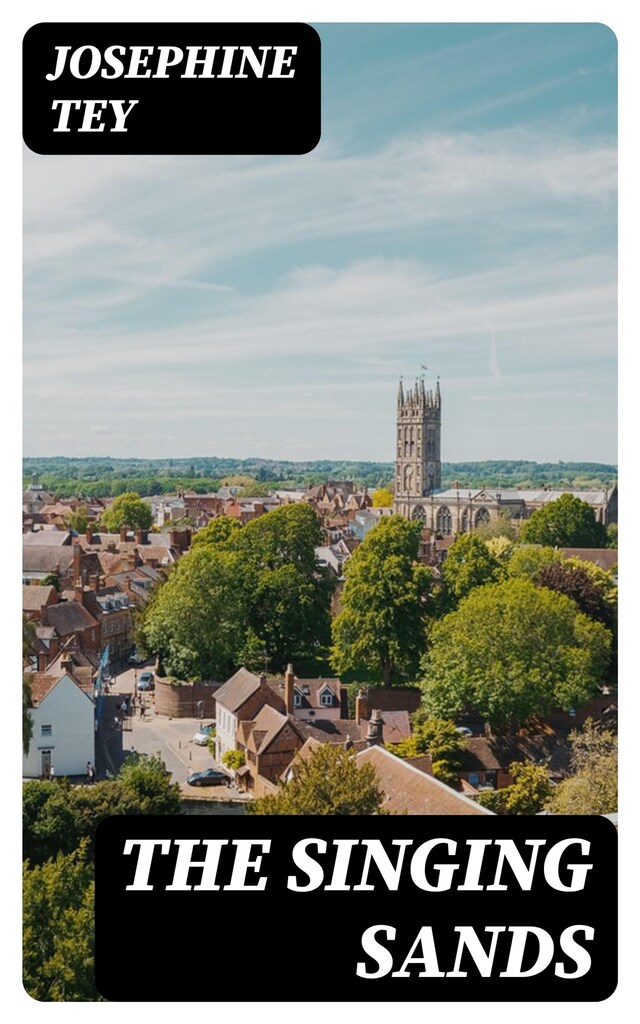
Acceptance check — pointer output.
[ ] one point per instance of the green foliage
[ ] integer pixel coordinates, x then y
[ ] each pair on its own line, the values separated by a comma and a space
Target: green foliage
77, 520
382, 497
567, 522
381, 629
233, 759
58, 929
440, 739
528, 793
513, 650
57, 817
612, 536
528, 559
468, 564
592, 788
501, 526
241, 593
51, 580
96, 477
127, 510
328, 782
217, 531
594, 592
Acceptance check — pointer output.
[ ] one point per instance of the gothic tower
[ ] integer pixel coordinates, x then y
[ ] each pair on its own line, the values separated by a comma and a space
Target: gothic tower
418, 467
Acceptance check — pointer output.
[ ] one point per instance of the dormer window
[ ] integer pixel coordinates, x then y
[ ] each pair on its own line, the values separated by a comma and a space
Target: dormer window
297, 699
326, 698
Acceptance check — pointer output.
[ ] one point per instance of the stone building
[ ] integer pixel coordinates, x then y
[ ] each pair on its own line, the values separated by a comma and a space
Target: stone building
418, 494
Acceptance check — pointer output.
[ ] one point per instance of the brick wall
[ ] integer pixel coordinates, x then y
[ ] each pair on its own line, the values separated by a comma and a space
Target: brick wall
180, 701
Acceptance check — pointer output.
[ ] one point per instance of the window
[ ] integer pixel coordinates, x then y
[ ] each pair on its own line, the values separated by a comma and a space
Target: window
45, 730
326, 698
297, 700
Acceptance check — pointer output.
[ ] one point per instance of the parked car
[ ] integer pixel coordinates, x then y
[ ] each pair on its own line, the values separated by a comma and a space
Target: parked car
209, 777
136, 658
203, 734
145, 682
462, 729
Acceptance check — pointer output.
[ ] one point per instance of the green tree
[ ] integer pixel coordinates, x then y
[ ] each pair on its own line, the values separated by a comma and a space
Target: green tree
217, 531
513, 650
241, 593
128, 510
592, 787
78, 519
567, 522
328, 782
57, 817
528, 559
58, 929
439, 738
501, 526
468, 564
528, 793
594, 593
381, 629
27, 721
51, 580
382, 497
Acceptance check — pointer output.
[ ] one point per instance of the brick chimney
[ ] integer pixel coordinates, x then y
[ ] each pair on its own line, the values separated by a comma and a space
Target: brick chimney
362, 705
374, 729
289, 681
77, 553
123, 533
89, 533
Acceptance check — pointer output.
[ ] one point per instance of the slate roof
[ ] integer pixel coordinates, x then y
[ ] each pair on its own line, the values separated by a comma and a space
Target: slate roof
410, 791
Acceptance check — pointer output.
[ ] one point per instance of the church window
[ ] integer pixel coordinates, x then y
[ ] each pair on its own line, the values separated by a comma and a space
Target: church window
419, 513
443, 521
482, 516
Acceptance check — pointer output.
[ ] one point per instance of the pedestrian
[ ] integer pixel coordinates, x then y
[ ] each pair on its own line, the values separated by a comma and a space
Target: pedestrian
52, 774
116, 722
88, 771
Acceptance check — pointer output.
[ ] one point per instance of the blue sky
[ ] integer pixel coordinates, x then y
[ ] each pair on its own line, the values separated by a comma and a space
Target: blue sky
459, 212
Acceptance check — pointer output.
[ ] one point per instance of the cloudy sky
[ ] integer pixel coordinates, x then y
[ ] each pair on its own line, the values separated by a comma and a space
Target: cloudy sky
459, 212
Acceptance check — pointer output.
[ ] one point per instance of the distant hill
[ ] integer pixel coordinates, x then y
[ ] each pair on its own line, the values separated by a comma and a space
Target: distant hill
94, 477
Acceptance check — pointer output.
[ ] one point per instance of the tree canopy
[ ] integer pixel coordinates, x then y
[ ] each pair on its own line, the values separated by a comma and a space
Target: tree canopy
58, 929
528, 793
242, 593
381, 628
439, 738
382, 497
328, 782
127, 510
513, 650
567, 522
592, 787
57, 817
469, 564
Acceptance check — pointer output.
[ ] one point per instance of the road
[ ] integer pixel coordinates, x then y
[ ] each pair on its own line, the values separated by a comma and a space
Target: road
168, 738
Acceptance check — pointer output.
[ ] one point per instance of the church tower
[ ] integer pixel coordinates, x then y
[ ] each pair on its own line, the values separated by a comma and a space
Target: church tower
418, 467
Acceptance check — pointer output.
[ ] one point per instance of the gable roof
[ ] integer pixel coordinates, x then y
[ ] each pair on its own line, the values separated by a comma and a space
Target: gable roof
33, 598
42, 683
409, 791
69, 617
237, 689
264, 728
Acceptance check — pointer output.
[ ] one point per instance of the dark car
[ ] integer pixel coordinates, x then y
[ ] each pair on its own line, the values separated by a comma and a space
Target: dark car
209, 777
145, 682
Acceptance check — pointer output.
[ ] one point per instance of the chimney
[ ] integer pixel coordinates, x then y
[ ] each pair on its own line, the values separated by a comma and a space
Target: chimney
123, 533
173, 538
289, 680
89, 533
374, 729
362, 706
42, 661
77, 552
78, 592
66, 663
141, 537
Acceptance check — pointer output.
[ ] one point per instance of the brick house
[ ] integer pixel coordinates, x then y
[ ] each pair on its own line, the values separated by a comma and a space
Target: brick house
240, 699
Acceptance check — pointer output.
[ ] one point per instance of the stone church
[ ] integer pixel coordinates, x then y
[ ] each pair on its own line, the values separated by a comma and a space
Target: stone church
418, 492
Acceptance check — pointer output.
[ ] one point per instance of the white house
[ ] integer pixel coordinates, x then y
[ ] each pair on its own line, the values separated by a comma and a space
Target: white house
63, 727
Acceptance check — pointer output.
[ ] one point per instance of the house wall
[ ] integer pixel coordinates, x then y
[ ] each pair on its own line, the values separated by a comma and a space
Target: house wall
70, 713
